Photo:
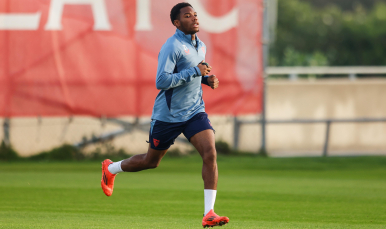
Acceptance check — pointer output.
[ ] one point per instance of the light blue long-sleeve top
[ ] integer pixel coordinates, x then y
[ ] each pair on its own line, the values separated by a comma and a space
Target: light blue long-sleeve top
179, 79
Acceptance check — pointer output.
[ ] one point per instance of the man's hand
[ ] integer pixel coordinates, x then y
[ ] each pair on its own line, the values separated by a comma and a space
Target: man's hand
213, 82
204, 69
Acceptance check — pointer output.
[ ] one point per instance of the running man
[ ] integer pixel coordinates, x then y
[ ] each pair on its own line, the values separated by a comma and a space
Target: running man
179, 108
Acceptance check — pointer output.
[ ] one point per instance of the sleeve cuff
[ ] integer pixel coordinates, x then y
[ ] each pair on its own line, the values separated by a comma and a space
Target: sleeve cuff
198, 72
204, 80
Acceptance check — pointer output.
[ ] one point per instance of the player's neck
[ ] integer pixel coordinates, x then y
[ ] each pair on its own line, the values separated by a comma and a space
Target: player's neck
192, 35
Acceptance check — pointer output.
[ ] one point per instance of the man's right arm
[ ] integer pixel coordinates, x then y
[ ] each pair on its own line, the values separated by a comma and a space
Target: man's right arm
166, 77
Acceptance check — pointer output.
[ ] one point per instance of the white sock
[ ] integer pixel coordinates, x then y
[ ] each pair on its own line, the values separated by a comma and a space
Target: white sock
115, 167
210, 198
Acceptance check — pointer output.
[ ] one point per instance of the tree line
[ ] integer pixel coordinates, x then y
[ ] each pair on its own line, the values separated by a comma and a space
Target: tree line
308, 35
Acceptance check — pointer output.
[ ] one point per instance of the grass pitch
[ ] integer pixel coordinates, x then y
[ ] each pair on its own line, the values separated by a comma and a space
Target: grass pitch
253, 192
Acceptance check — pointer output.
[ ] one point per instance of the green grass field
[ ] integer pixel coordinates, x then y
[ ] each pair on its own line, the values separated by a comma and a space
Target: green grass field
253, 192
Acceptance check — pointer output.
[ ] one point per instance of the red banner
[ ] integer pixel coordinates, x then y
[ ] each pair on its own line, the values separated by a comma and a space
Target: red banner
99, 57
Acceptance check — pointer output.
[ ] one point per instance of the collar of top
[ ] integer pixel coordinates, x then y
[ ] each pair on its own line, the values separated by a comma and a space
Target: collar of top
187, 38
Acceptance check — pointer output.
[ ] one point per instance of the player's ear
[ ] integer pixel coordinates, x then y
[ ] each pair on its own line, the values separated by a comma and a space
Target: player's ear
176, 23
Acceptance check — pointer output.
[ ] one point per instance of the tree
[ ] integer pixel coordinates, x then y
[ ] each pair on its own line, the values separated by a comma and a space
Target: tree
308, 36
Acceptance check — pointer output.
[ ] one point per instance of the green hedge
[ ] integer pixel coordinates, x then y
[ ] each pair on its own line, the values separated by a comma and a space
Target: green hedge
102, 151
66, 153
7, 153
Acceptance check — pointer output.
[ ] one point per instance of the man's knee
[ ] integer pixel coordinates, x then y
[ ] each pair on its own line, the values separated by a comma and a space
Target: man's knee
153, 163
210, 156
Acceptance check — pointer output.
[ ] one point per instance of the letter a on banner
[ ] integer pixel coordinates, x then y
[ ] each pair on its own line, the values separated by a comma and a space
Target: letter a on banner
101, 20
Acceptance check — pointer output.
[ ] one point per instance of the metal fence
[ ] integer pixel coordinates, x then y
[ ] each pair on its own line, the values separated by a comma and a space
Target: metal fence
352, 72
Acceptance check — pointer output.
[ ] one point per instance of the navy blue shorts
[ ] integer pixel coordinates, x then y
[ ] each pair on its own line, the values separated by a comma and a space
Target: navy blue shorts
163, 134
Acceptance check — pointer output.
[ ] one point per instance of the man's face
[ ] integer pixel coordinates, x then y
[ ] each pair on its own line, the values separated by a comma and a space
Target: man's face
188, 21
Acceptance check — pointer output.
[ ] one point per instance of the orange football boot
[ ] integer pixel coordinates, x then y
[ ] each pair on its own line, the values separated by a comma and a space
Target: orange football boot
212, 219
107, 181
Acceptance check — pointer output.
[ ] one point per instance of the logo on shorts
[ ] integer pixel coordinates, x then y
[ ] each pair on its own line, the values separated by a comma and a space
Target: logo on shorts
156, 142
210, 124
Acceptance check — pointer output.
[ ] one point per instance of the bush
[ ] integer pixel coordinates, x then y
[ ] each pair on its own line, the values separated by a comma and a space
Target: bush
63, 153
107, 150
39, 157
223, 148
175, 152
7, 153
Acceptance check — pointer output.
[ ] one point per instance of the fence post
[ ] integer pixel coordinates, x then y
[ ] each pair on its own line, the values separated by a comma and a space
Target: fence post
293, 76
6, 125
236, 133
352, 76
325, 150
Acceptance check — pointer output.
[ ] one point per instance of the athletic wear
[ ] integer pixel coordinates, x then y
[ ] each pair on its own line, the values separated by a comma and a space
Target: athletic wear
210, 198
212, 219
179, 79
107, 181
163, 134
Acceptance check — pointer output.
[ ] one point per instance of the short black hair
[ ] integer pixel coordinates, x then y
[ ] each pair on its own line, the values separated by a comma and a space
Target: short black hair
175, 12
